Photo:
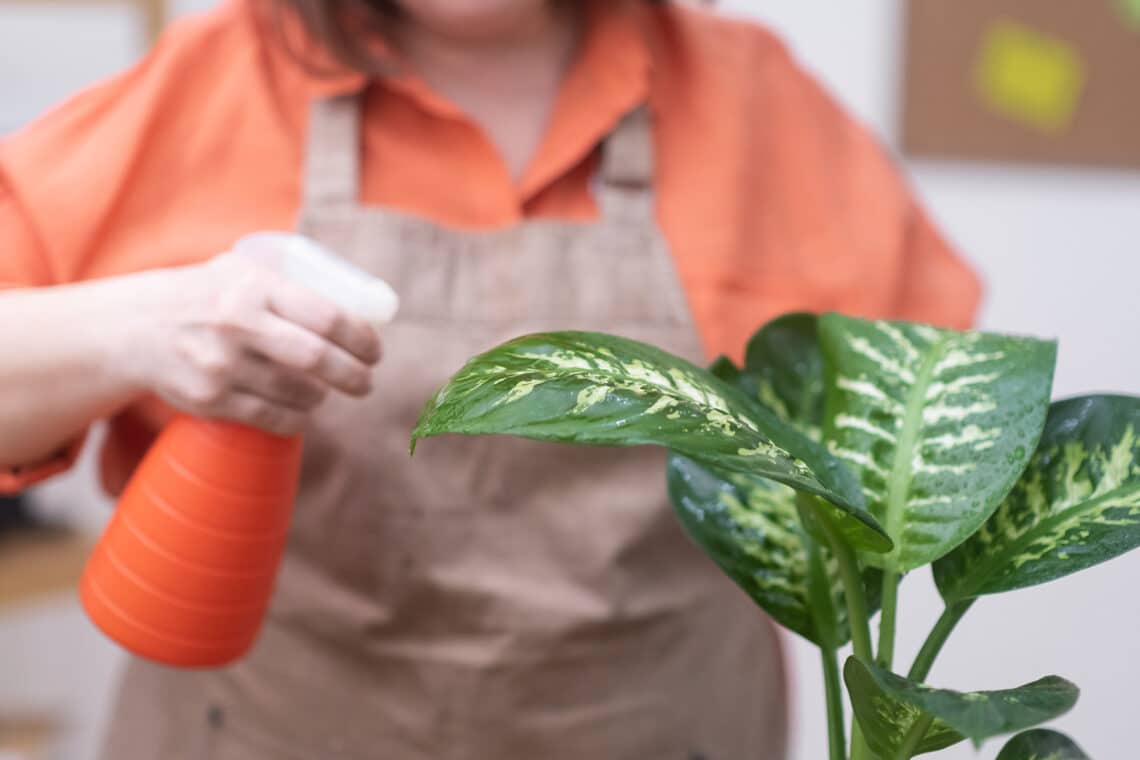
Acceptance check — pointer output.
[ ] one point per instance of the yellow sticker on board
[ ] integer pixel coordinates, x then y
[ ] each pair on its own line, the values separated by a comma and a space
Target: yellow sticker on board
1030, 77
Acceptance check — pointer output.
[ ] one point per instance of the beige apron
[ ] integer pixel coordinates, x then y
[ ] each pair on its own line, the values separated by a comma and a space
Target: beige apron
492, 598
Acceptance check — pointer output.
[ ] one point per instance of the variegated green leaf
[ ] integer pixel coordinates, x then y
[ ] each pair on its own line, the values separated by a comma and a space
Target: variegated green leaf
1077, 504
1042, 744
937, 423
750, 528
724, 369
605, 390
887, 722
890, 707
783, 370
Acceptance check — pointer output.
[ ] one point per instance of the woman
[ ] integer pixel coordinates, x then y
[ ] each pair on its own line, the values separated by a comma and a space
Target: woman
508, 166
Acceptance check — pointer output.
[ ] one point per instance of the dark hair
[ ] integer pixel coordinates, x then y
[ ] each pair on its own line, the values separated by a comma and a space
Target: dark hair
343, 27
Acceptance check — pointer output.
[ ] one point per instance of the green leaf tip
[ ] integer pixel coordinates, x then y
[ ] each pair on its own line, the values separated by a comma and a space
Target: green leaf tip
595, 389
1076, 505
1042, 744
887, 707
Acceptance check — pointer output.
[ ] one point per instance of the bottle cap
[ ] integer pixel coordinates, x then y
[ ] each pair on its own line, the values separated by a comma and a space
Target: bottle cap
310, 264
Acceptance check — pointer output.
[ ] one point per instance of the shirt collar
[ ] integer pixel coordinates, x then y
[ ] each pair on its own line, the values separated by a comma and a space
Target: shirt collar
609, 78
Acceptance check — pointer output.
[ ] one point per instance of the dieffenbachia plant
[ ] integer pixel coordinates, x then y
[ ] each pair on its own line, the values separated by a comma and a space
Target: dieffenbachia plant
843, 454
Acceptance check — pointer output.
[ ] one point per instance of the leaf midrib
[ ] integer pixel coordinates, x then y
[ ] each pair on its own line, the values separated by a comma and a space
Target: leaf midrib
899, 481
1028, 537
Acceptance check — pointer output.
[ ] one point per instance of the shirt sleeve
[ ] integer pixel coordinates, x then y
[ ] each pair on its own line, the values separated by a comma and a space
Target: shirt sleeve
16, 479
124, 174
60, 177
887, 234
936, 286
22, 263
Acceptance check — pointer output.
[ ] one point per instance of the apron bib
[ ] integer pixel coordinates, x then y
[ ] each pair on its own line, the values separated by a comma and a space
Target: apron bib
492, 598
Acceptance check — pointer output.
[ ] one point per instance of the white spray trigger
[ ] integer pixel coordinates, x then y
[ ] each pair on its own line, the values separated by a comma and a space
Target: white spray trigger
310, 264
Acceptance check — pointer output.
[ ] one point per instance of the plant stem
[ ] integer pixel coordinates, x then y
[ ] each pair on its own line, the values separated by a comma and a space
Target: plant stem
856, 598
857, 618
937, 638
837, 741
914, 737
887, 619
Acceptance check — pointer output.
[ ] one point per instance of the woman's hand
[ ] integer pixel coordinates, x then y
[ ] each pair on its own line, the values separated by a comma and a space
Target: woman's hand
235, 339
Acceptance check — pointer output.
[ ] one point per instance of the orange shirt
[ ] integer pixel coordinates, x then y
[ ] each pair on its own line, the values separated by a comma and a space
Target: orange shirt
772, 198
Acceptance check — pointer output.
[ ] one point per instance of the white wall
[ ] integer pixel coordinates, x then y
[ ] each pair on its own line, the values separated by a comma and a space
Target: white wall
89, 43
80, 44
1060, 251
1057, 249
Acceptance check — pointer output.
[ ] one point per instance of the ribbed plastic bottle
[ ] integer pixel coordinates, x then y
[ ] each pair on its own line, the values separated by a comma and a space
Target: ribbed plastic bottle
184, 572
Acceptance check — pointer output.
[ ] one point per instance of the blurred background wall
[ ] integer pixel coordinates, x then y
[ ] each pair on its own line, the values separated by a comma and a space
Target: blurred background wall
1058, 249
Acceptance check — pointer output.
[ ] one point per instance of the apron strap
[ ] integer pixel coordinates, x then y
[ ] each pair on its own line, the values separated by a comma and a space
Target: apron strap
627, 170
332, 154
627, 155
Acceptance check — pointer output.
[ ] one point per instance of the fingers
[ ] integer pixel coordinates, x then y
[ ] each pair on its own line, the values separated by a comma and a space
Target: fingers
300, 350
253, 392
252, 346
258, 377
260, 413
318, 315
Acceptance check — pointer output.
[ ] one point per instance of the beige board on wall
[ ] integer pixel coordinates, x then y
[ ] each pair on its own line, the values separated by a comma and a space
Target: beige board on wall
1030, 81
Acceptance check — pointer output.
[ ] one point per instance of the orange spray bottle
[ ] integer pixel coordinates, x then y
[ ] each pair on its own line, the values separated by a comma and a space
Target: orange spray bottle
185, 569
